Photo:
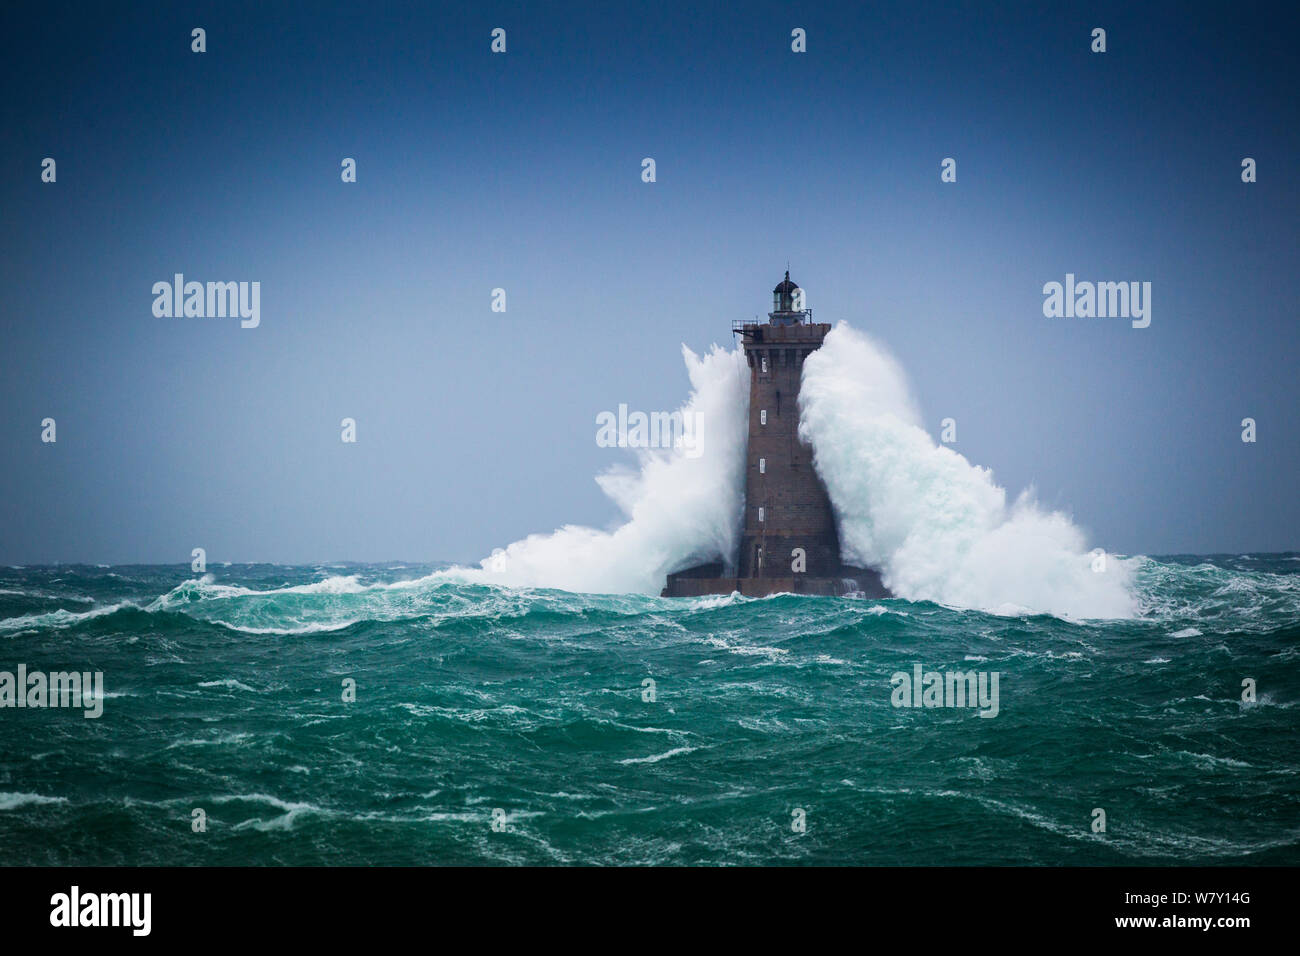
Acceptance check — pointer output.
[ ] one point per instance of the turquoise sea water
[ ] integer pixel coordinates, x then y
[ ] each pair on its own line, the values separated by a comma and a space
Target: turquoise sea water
225, 693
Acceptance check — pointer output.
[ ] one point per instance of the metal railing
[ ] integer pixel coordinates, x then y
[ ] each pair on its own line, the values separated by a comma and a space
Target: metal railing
740, 325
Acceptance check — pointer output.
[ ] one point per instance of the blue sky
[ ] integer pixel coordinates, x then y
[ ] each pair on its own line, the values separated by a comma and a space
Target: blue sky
523, 171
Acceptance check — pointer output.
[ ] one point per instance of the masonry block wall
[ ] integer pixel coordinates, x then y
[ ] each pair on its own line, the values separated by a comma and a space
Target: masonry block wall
786, 505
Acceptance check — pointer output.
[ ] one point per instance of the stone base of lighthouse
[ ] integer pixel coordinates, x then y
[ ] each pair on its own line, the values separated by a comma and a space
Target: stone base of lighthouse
708, 579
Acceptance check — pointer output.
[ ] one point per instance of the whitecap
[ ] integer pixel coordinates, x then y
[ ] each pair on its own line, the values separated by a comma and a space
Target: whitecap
11, 801
658, 757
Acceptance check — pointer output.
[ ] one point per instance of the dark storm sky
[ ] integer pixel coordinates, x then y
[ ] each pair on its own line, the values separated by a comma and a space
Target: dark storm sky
523, 171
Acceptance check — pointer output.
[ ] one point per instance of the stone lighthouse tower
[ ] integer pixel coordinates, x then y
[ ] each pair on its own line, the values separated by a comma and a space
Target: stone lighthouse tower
789, 541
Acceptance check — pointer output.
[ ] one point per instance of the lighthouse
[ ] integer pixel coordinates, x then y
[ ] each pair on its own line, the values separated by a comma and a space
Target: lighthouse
789, 541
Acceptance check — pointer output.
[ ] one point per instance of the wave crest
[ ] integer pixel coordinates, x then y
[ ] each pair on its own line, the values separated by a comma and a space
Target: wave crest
938, 527
680, 509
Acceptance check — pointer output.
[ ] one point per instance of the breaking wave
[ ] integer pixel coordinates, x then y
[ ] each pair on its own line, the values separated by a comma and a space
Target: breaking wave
938, 527
680, 509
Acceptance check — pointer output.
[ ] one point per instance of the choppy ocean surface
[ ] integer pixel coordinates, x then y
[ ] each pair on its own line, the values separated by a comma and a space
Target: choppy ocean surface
225, 693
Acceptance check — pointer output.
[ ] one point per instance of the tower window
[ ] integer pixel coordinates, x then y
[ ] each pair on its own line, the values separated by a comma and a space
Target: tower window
760, 514
764, 364
762, 466
762, 416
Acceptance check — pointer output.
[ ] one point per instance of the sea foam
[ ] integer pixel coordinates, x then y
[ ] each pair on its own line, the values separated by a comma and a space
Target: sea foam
938, 527
680, 509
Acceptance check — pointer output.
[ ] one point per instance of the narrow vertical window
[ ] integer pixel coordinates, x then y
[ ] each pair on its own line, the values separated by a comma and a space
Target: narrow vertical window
760, 514
764, 364
762, 466
762, 416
